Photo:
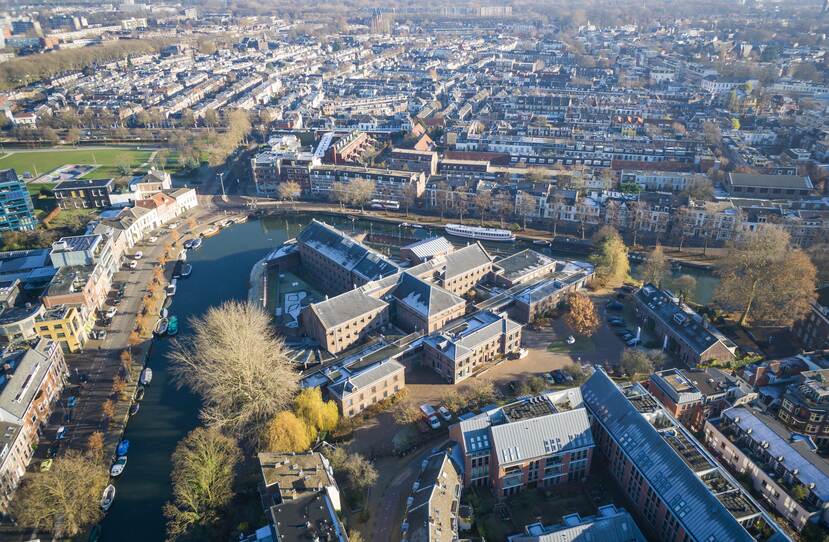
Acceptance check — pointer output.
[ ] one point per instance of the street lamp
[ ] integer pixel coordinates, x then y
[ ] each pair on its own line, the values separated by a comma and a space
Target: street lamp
222, 181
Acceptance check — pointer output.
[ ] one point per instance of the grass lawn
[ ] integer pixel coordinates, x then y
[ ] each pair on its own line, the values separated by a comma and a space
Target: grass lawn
582, 344
40, 162
74, 219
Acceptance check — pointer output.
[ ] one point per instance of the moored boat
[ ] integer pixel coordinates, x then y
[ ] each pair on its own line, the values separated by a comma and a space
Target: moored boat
195, 243
186, 271
123, 448
480, 234
163, 312
134, 408
161, 326
241, 219
108, 497
170, 290
541, 242
146, 375
139, 393
210, 232
172, 327
119, 466
182, 256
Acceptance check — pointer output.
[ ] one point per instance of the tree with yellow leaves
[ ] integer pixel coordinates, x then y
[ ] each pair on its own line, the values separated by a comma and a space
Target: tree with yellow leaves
582, 318
286, 433
316, 413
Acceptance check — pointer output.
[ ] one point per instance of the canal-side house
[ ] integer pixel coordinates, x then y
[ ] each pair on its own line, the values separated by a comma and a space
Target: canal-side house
344, 320
84, 194
33, 375
679, 329
301, 497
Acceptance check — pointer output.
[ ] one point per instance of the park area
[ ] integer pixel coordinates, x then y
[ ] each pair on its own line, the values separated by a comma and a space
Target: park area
107, 162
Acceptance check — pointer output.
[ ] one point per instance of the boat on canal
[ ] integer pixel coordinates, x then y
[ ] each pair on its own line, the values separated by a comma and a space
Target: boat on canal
193, 244
170, 290
210, 232
139, 393
146, 377
161, 326
123, 448
108, 497
480, 234
172, 327
119, 466
186, 270
134, 408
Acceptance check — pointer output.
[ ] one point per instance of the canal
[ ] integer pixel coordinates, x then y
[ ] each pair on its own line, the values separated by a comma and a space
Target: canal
221, 268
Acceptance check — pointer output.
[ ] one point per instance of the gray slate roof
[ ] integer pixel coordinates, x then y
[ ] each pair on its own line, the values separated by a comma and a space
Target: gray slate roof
771, 181
423, 297
466, 258
700, 513
365, 378
29, 367
344, 307
619, 527
345, 251
427, 248
518, 265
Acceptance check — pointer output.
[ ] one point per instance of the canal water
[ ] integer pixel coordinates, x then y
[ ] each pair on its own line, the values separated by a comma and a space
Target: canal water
221, 269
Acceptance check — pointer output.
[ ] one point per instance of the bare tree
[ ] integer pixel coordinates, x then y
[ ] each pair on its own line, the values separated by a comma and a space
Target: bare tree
63, 500
360, 192
338, 193
524, 206
204, 465
483, 201
461, 201
409, 197
289, 191
239, 367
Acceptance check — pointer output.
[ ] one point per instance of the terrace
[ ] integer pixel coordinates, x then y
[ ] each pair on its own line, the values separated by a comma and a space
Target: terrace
687, 450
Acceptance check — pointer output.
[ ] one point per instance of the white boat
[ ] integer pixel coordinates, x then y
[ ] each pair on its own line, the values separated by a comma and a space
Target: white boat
195, 243
541, 242
119, 466
186, 271
108, 497
481, 234
146, 377
163, 312
241, 219
182, 256
170, 290
161, 326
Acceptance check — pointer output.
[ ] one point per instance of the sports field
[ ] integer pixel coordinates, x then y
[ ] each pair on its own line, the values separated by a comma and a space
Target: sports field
37, 163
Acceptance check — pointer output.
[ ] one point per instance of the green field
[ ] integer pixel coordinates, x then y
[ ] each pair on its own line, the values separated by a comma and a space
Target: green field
40, 162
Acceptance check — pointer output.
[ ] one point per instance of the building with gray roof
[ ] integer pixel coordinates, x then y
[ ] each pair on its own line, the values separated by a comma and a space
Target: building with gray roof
432, 508
681, 330
423, 306
783, 467
674, 483
611, 524
344, 320
426, 249
465, 348
356, 390
337, 262
522, 268
534, 442
756, 185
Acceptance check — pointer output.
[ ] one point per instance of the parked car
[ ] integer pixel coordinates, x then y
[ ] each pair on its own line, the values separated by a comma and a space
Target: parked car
83, 378
71, 401
632, 342
111, 312
444, 413
614, 306
557, 377
628, 288
46, 465
98, 334
53, 450
571, 340
615, 321
61, 434
434, 422
131, 264
138, 255
427, 410
152, 239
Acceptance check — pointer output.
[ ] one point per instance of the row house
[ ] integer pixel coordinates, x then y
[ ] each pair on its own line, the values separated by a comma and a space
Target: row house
32, 379
813, 330
805, 406
783, 467
536, 442
433, 508
368, 386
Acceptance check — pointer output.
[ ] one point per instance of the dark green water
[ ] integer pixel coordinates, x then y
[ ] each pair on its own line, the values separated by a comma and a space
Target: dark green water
221, 268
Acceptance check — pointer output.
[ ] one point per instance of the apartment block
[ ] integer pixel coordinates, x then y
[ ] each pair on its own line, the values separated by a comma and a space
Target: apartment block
782, 466
343, 321
694, 395
423, 306
65, 325
367, 386
34, 373
388, 184
805, 406
610, 524
683, 332
536, 442
301, 497
16, 209
84, 194
675, 488
462, 269
432, 508
465, 348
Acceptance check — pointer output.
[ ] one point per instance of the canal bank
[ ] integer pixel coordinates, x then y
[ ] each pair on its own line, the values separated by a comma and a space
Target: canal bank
221, 270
